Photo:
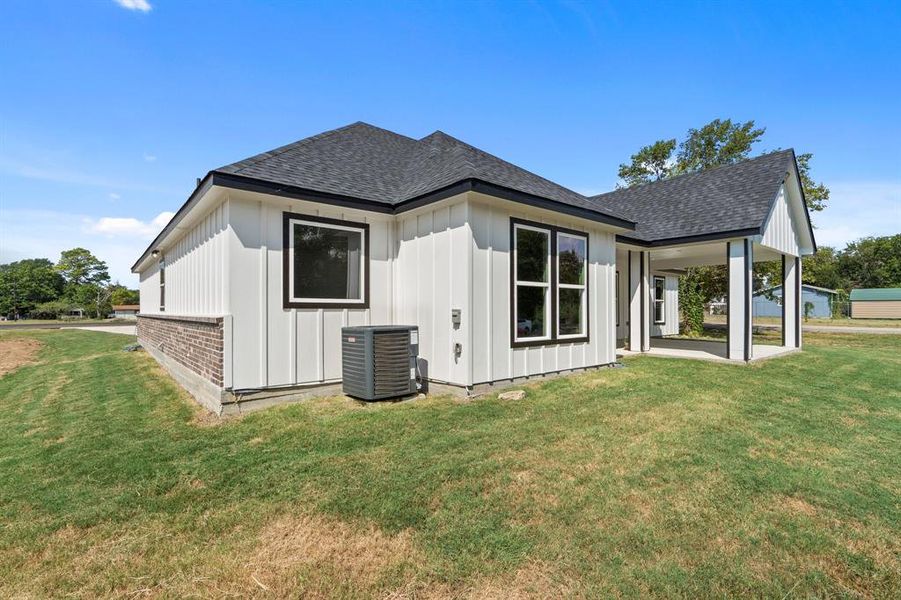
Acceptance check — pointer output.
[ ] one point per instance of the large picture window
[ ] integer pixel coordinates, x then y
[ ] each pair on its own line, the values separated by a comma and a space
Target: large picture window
326, 263
659, 300
549, 294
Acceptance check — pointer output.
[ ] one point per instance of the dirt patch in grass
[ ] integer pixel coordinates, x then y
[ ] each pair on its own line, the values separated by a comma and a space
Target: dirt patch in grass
16, 353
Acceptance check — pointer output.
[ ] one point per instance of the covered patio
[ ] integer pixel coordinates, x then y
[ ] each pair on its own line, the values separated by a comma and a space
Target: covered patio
737, 217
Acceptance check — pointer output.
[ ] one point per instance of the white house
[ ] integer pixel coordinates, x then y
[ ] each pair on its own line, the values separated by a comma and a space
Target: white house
245, 291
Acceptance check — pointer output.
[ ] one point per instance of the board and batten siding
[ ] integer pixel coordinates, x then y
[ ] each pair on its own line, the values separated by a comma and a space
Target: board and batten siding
431, 278
196, 281
491, 354
779, 231
276, 346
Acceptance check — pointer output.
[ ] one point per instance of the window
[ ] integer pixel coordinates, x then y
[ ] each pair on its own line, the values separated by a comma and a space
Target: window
659, 300
549, 295
326, 263
162, 284
532, 279
572, 269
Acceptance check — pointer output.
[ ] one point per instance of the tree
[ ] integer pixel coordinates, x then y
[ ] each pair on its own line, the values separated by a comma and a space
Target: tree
872, 262
119, 294
821, 269
27, 283
650, 163
717, 143
815, 194
87, 279
79, 267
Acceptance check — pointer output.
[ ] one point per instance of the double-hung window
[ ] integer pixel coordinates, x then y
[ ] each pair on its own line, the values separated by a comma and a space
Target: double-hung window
326, 263
572, 273
532, 282
659, 300
549, 295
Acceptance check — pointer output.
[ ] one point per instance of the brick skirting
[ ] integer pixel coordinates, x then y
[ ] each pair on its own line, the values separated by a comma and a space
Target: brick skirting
193, 342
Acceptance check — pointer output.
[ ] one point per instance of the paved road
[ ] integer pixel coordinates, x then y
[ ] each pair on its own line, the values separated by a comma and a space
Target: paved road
823, 329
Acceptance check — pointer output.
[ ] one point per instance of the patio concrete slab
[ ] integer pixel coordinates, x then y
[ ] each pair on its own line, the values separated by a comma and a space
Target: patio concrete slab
704, 350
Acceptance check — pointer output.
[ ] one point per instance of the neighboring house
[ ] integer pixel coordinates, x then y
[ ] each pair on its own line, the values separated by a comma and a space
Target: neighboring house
876, 303
820, 299
245, 291
126, 311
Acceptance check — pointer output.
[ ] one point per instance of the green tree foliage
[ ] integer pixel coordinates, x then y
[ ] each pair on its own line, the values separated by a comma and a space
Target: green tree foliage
119, 294
717, 143
872, 262
87, 280
27, 283
650, 163
79, 267
816, 194
821, 269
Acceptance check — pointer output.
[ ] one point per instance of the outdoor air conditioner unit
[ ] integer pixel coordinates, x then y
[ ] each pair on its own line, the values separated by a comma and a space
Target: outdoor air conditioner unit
379, 361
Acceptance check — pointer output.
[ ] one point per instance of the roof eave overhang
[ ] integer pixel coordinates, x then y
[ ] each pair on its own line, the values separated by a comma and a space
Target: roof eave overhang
689, 239
250, 184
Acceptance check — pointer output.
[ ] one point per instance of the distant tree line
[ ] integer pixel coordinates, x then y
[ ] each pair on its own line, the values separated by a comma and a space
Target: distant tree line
78, 283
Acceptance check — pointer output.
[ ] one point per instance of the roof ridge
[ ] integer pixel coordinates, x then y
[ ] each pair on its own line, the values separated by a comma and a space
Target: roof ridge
683, 176
258, 158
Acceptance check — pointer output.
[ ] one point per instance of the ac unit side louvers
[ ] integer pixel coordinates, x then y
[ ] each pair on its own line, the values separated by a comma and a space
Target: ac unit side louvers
379, 362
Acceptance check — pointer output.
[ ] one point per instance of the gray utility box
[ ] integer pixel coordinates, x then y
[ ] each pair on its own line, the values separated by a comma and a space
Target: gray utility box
379, 362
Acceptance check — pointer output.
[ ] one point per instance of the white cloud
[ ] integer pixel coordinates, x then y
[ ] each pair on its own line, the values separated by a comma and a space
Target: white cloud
46, 233
127, 226
141, 5
114, 196
149, 157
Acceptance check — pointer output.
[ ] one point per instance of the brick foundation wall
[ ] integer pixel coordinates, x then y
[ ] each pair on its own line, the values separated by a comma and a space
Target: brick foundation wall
193, 342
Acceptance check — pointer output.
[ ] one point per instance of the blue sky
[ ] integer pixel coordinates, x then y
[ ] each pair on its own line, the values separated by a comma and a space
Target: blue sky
108, 113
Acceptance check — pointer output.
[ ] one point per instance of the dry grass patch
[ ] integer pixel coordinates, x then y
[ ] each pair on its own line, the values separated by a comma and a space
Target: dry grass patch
17, 352
313, 556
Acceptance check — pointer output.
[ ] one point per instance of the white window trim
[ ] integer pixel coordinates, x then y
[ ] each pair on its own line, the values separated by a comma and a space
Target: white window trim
517, 284
661, 300
583, 307
363, 263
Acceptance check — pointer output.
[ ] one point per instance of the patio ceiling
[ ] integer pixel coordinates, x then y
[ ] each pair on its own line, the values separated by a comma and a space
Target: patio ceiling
702, 254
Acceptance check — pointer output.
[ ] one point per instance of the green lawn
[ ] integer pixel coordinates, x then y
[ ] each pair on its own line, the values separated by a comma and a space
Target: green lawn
666, 478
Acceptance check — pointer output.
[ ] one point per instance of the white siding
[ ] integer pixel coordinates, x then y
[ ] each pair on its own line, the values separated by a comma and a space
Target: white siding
275, 346
491, 354
670, 306
195, 267
779, 232
432, 278
149, 288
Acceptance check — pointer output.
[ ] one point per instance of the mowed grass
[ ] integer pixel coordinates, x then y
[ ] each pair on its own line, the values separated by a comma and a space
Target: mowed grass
665, 478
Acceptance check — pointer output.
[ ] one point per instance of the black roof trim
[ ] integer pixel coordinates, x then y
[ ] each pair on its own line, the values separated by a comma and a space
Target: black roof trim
689, 239
250, 184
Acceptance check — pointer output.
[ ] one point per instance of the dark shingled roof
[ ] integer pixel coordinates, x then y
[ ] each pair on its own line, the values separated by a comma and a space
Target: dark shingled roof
722, 199
374, 164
